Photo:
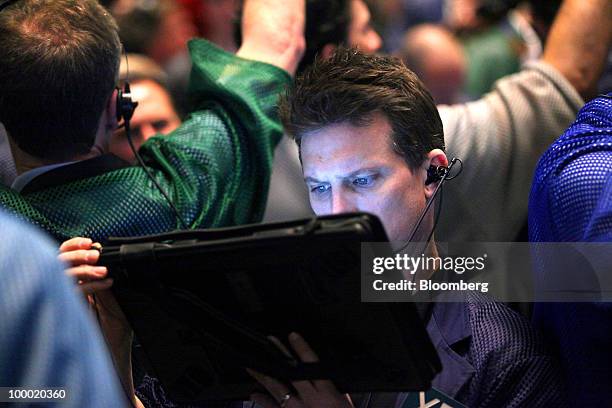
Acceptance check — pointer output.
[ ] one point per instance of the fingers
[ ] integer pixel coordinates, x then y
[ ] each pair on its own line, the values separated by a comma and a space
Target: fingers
87, 272
75, 243
303, 387
95, 286
276, 388
308, 355
81, 254
310, 394
83, 270
80, 257
302, 349
107, 304
280, 346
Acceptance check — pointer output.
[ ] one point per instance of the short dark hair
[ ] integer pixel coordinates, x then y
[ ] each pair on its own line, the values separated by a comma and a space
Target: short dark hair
59, 61
350, 87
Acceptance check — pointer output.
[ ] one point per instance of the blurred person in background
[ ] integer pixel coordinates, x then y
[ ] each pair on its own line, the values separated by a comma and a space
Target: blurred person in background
155, 114
436, 56
361, 34
398, 16
492, 47
160, 30
498, 35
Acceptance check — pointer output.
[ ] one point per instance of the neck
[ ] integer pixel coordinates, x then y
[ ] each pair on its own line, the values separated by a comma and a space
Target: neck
25, 162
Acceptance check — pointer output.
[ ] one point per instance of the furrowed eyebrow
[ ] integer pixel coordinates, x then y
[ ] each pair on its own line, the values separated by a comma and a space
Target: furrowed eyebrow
351, 174
363, 170
313, 180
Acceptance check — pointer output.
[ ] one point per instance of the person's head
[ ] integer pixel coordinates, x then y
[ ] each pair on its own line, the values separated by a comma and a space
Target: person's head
59, 61
436, 56
361, 34
155, 113
368, 130
327, 26
332, 23
157, 28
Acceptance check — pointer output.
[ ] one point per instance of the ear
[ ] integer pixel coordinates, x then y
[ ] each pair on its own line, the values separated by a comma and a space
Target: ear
436, 157
107, 125
328, 50
111, 111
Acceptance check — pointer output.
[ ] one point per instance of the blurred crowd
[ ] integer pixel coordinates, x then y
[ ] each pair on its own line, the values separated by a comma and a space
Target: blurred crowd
459, 48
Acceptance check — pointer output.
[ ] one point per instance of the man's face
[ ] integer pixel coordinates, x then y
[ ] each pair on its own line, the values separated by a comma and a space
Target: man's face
350, 168
154, 115
361, 34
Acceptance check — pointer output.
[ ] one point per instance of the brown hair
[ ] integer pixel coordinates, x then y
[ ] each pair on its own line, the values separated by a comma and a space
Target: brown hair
59, 61
350, 86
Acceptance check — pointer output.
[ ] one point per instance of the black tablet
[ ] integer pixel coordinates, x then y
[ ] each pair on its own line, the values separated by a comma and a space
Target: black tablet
202, 304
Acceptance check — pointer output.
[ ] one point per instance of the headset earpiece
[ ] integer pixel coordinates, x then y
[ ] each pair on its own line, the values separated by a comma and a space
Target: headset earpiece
435, 174
125, 105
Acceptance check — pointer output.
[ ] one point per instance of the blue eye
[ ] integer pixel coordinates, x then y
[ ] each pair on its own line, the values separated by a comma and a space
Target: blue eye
364, 181
320, 189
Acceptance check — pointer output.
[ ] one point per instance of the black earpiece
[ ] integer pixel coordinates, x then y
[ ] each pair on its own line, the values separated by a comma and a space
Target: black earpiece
435, 174
125, 105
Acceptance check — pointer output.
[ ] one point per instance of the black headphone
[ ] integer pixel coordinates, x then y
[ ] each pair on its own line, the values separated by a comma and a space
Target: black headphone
125, 105
439, 174
435, 174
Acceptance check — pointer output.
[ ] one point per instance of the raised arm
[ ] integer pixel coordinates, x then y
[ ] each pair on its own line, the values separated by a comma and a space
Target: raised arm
273, 32
578, 42
502, 135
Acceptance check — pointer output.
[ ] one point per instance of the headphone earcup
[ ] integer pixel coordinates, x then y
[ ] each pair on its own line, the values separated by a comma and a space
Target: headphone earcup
125, 105
432, 175
435, 174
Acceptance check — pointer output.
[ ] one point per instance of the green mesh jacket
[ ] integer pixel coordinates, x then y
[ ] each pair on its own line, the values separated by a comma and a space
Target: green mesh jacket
215, 167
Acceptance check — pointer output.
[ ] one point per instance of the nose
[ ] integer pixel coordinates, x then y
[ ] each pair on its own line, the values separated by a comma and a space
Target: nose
341, 203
